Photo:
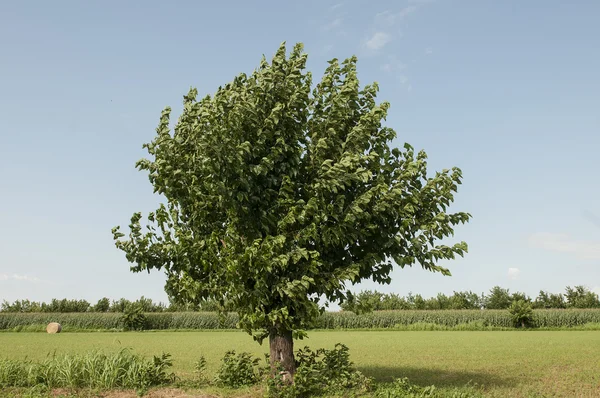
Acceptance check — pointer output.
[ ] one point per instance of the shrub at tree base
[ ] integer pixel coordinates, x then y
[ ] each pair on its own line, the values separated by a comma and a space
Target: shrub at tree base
321, 372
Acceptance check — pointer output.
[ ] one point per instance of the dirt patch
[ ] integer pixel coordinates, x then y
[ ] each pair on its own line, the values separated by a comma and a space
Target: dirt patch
158, 393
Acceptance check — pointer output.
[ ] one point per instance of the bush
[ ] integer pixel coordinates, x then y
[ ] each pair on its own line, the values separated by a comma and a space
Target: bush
321, 372
133, 318
238, 370
521, 313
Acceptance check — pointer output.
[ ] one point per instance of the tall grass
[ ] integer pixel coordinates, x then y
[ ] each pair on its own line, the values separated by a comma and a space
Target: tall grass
95, 370
403, 319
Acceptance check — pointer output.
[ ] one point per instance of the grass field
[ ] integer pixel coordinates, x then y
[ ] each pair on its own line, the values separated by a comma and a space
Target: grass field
505, 364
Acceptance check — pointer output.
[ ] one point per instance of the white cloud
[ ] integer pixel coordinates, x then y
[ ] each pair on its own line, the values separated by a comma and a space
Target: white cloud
336, 6
428, 51
513, 273
378, 41
17, 277
562, 243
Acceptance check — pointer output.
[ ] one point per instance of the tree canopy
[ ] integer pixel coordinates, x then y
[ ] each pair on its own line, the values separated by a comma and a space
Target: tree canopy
278, 193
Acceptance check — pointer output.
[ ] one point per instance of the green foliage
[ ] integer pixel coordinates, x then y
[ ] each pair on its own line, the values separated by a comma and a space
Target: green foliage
63, 306
549, 300
94, 370
103, 305
278, 193
403, 388
238, 370
133, 318
322, 372
367, 301
200, 370
498, 299
581, 297
521, 313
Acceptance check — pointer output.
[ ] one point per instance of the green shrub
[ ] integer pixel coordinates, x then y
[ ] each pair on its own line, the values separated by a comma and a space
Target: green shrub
200, 370
521, 313
321, 372
238, 370
133, 318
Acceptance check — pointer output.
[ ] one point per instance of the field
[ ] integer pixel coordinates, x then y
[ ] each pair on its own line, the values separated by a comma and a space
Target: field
504, 364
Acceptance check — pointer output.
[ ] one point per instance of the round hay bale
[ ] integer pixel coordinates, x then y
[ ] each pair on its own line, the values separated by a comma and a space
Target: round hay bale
53, 327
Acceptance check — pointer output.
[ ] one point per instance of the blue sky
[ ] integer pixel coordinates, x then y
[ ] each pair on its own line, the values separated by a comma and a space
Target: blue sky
506, 90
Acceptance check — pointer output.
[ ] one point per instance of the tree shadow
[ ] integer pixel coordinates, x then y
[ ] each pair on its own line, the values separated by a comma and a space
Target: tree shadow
438, 377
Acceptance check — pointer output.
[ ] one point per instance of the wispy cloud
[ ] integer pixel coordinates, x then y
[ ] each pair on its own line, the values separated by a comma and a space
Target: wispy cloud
562, 243
428, 51
393, 65
18, 277
336, 6
513, 273
377, 41
388, 18
397, 68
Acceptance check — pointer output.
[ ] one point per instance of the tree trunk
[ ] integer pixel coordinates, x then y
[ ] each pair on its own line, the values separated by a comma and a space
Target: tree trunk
281, 347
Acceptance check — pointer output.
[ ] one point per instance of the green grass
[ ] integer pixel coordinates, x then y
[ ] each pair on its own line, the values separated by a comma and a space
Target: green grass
506, 364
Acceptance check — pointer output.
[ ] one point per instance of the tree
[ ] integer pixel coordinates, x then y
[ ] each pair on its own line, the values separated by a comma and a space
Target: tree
581, 297
103, 305
549, 300
516, 296
499, 299
278, 194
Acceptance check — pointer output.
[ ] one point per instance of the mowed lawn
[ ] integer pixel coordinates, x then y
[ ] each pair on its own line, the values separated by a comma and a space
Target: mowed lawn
506, 364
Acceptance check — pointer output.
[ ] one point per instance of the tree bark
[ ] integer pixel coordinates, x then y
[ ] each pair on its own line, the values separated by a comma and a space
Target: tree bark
281, 347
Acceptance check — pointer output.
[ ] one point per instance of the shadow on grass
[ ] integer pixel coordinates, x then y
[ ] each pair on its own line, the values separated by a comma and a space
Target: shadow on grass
438, 377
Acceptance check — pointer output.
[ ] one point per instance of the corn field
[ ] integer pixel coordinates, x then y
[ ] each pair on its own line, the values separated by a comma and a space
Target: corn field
466, 319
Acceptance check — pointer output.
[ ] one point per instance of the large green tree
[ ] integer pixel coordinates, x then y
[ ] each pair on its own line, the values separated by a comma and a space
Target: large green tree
278, 194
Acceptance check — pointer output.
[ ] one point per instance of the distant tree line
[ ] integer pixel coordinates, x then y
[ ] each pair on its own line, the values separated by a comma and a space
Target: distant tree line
103, 305
365, 301
497, 299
